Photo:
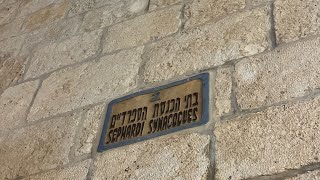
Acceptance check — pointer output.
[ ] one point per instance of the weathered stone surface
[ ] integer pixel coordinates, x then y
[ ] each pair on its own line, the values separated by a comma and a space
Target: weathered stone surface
81, 6
142, 29
64, 29
283, 74
78, 171
37, 148
11, 29
56, 31
89, 83
259, 2
30, 6
11, 70
3, 136
268, 142
199, 12
89, 129
11, 46
157, 4
8, 2
213, 44
176, 157
295, 19
55, 55
47, 15
312, 175
14, 103
114, 13
8, 13
222, 91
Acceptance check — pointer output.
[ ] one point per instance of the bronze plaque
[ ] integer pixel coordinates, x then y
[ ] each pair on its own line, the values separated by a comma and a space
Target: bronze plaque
155, 112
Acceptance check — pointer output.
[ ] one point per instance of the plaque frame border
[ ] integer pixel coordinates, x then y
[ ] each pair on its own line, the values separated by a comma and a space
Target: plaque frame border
204, 77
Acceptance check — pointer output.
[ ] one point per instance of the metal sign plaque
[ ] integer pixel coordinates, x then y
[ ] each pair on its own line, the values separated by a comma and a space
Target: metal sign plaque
155, 112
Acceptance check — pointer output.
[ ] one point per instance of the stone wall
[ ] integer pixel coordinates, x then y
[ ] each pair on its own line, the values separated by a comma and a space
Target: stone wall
62, 61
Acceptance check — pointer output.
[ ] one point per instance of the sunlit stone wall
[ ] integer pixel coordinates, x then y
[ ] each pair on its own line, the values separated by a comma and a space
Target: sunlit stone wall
62, 61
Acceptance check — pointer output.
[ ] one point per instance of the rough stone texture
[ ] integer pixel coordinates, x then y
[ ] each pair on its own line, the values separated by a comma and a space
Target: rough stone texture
14, 103
142, 29
11, 29
268, 142
88, 52
11, 46
11, 70
55, 55
3, 136
114, 13
47, 15
89, 129
176, 157
78, 171
8, 2
200, 11
312, 175
213, 44
53, 32
8, 13
81, 6
222, 91
30, 6
89, 83
259, 2
157, 4
64, 29
295, 19
37, 148
282, 74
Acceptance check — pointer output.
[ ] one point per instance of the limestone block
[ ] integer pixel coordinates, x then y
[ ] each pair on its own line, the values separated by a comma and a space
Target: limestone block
11, 29
14, 103
37, 148
55, 31
8, 2
222, 91
279, 75
81, 6
46, 15
200, 11
8, 13
11, 70
210, 45
88, 132
77, 171
11, 46
176, 157
295, 19
259, 2
93, 82
114, 13
142, 29
31, 6
157, 4
54, 55
268, 142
